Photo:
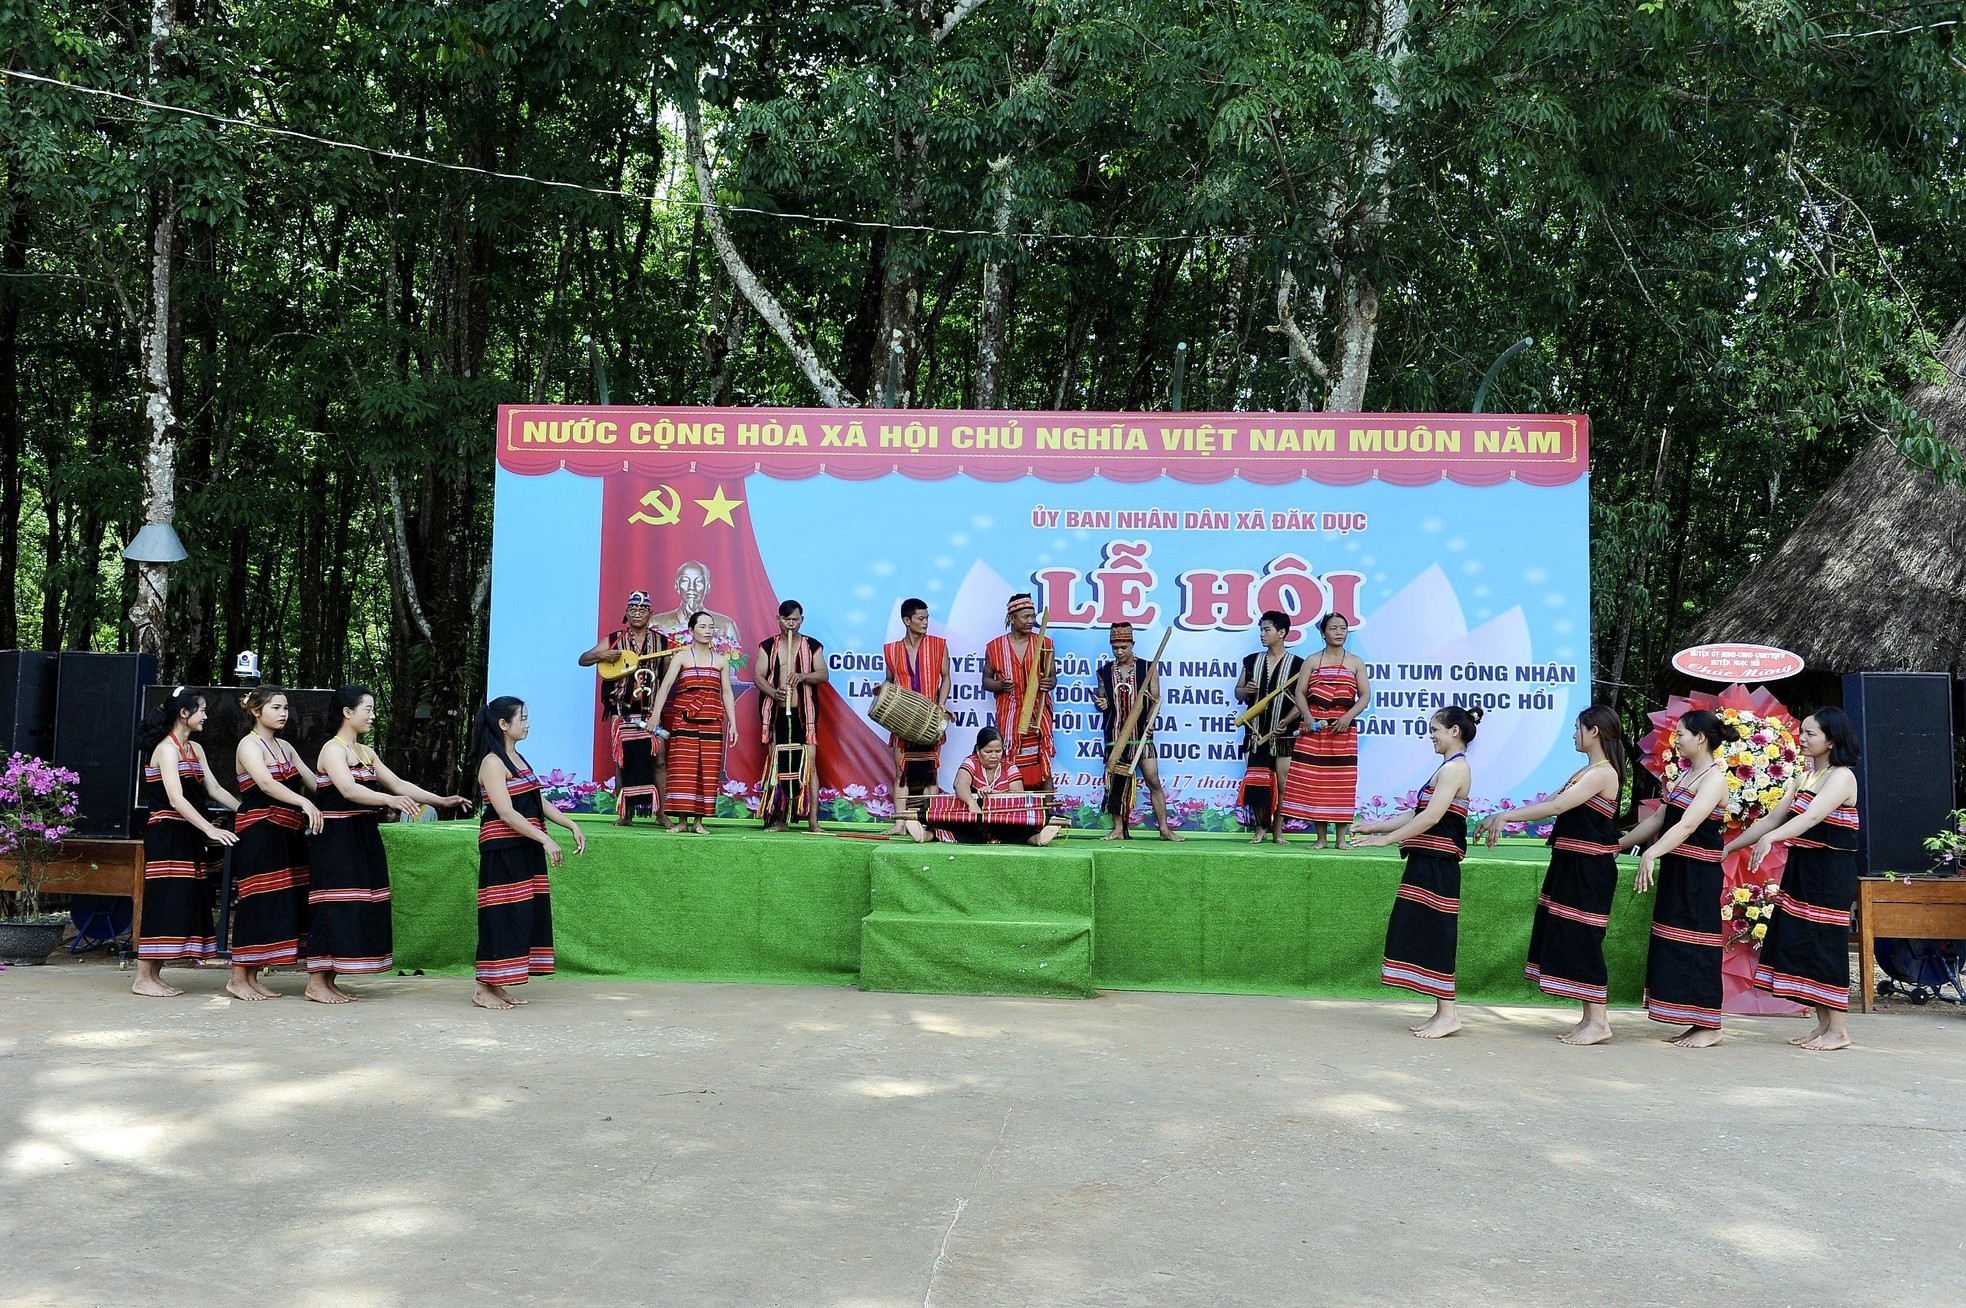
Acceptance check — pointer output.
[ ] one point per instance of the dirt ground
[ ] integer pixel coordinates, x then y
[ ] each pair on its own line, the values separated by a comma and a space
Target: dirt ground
639, 1143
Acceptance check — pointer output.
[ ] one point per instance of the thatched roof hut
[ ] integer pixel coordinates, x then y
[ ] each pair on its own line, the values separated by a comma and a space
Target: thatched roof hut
1874, 577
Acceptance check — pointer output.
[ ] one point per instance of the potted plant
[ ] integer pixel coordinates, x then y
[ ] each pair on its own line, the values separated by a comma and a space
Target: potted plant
37, 808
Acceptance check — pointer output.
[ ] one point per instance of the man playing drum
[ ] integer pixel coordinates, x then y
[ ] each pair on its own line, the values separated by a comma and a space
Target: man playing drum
918, 662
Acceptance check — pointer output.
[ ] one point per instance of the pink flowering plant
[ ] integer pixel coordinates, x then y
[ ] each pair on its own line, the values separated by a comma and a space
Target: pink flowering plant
567, 792
37, 812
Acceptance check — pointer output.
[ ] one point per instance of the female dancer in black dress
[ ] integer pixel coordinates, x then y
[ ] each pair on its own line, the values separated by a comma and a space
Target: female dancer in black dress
1807, 953
515, 915
1566, 941
269, 867
177, 888
1425, 925
348, 932
1682, 966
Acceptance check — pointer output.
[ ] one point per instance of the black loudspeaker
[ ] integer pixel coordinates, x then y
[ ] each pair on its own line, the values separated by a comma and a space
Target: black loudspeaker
27, 702
226, 724
97, 704
1904, 780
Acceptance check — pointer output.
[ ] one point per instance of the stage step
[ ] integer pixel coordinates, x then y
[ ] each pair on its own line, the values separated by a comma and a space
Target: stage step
946, 954
983, 881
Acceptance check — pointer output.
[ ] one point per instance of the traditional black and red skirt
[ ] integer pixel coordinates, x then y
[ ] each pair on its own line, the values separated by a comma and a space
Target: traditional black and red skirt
269, 875
515, 911
1566, 940
348, 927
1806, 956
695, 719
177, 867
1323, 781
1424, 930
1682, 965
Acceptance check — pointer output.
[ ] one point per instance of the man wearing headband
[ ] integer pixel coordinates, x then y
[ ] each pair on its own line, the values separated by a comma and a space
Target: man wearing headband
1022, 670
625, 704
917, 662
1122, 682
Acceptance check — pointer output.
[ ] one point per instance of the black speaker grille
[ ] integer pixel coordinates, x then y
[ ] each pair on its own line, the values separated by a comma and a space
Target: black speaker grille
1905, 778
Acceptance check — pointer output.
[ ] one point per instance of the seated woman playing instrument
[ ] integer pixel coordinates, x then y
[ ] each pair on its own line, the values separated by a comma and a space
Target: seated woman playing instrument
990, 805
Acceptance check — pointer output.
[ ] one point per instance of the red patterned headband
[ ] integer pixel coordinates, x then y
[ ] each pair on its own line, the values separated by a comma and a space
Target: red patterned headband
1019, 604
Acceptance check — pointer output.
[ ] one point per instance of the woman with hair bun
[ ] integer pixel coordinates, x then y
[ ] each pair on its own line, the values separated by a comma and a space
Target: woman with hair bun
1424, 929
177, 886
515, 914
1566, 941
270, 864
349, 929
1332, 689
1682, 965
1806, 956
700, 720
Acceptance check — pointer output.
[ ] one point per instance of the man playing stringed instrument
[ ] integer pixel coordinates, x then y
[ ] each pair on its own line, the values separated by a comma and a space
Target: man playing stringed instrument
1021, 668
625, 703
1129, 696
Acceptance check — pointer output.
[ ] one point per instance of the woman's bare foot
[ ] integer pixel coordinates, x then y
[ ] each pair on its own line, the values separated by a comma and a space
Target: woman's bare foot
322, 990
491, 997
1117, 833
914, 830
1587, 1033
1259, 837
241, 987
1827, 1041
1168, 833
1699, 1037
1443, 1023
1315, 844
154, 988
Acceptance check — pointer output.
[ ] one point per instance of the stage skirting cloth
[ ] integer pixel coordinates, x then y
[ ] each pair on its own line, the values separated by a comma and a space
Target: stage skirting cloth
1210, 915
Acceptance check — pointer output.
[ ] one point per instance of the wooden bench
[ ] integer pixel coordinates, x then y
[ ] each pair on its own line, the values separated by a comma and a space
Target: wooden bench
1928, 908
93, 867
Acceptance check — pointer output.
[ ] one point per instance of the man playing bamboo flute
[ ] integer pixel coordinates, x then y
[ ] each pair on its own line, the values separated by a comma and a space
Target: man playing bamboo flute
1128, 697
1021, 669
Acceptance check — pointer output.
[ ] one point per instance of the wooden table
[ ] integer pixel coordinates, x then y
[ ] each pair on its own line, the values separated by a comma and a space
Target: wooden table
93, 867
1928, 908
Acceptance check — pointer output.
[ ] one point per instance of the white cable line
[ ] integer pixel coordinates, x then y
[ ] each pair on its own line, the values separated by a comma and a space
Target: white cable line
609, 191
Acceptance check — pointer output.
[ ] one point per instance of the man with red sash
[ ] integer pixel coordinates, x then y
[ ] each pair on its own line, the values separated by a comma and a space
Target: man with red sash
625, 704
917, 662
1008, 663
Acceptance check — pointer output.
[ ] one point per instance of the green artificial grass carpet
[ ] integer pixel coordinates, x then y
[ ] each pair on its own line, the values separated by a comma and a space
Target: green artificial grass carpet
1213, 913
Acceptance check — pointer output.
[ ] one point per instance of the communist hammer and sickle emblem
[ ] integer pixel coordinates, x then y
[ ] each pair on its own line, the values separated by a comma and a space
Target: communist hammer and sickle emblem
667, 505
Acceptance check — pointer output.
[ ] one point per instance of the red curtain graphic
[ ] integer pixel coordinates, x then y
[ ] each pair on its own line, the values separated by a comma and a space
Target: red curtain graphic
651, 527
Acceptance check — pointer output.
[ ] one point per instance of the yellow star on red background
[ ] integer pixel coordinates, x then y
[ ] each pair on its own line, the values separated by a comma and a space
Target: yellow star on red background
718, 509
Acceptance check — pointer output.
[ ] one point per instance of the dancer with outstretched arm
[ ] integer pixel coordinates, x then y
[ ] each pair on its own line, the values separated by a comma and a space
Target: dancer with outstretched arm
1566, 940
515, 907
1806, 956
1424, 930
1682, 964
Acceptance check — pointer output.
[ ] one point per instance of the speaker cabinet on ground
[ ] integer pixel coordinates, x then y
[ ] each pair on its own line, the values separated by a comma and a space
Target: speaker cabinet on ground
27, 701
97, 705
1904, 780
226, 724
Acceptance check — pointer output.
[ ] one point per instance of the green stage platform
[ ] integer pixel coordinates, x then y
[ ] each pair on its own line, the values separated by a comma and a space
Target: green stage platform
1210, 914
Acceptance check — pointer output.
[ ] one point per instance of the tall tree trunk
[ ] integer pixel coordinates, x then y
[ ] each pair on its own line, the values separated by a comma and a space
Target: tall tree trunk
13, 266
160, 457
997, 277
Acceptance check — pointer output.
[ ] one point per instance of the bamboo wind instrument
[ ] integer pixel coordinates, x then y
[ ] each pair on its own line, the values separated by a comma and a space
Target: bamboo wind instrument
1031, 681
1251, 713
1128, 738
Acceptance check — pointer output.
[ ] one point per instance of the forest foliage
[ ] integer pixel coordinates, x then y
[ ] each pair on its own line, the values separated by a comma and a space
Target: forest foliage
1732, 228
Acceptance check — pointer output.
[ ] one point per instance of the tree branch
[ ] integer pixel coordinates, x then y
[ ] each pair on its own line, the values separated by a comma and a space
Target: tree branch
402, 552
961, 10
1286, 327
830, 390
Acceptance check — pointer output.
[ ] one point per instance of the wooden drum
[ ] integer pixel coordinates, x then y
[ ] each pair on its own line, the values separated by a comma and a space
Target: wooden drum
912, 717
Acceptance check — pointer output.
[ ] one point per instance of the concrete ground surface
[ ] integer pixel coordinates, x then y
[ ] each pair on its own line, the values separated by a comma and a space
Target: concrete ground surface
674, 1144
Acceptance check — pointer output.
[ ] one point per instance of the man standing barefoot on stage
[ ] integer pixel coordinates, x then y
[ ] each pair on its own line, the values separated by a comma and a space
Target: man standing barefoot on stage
1121, 684
1008, 663
917, 662
625, 705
